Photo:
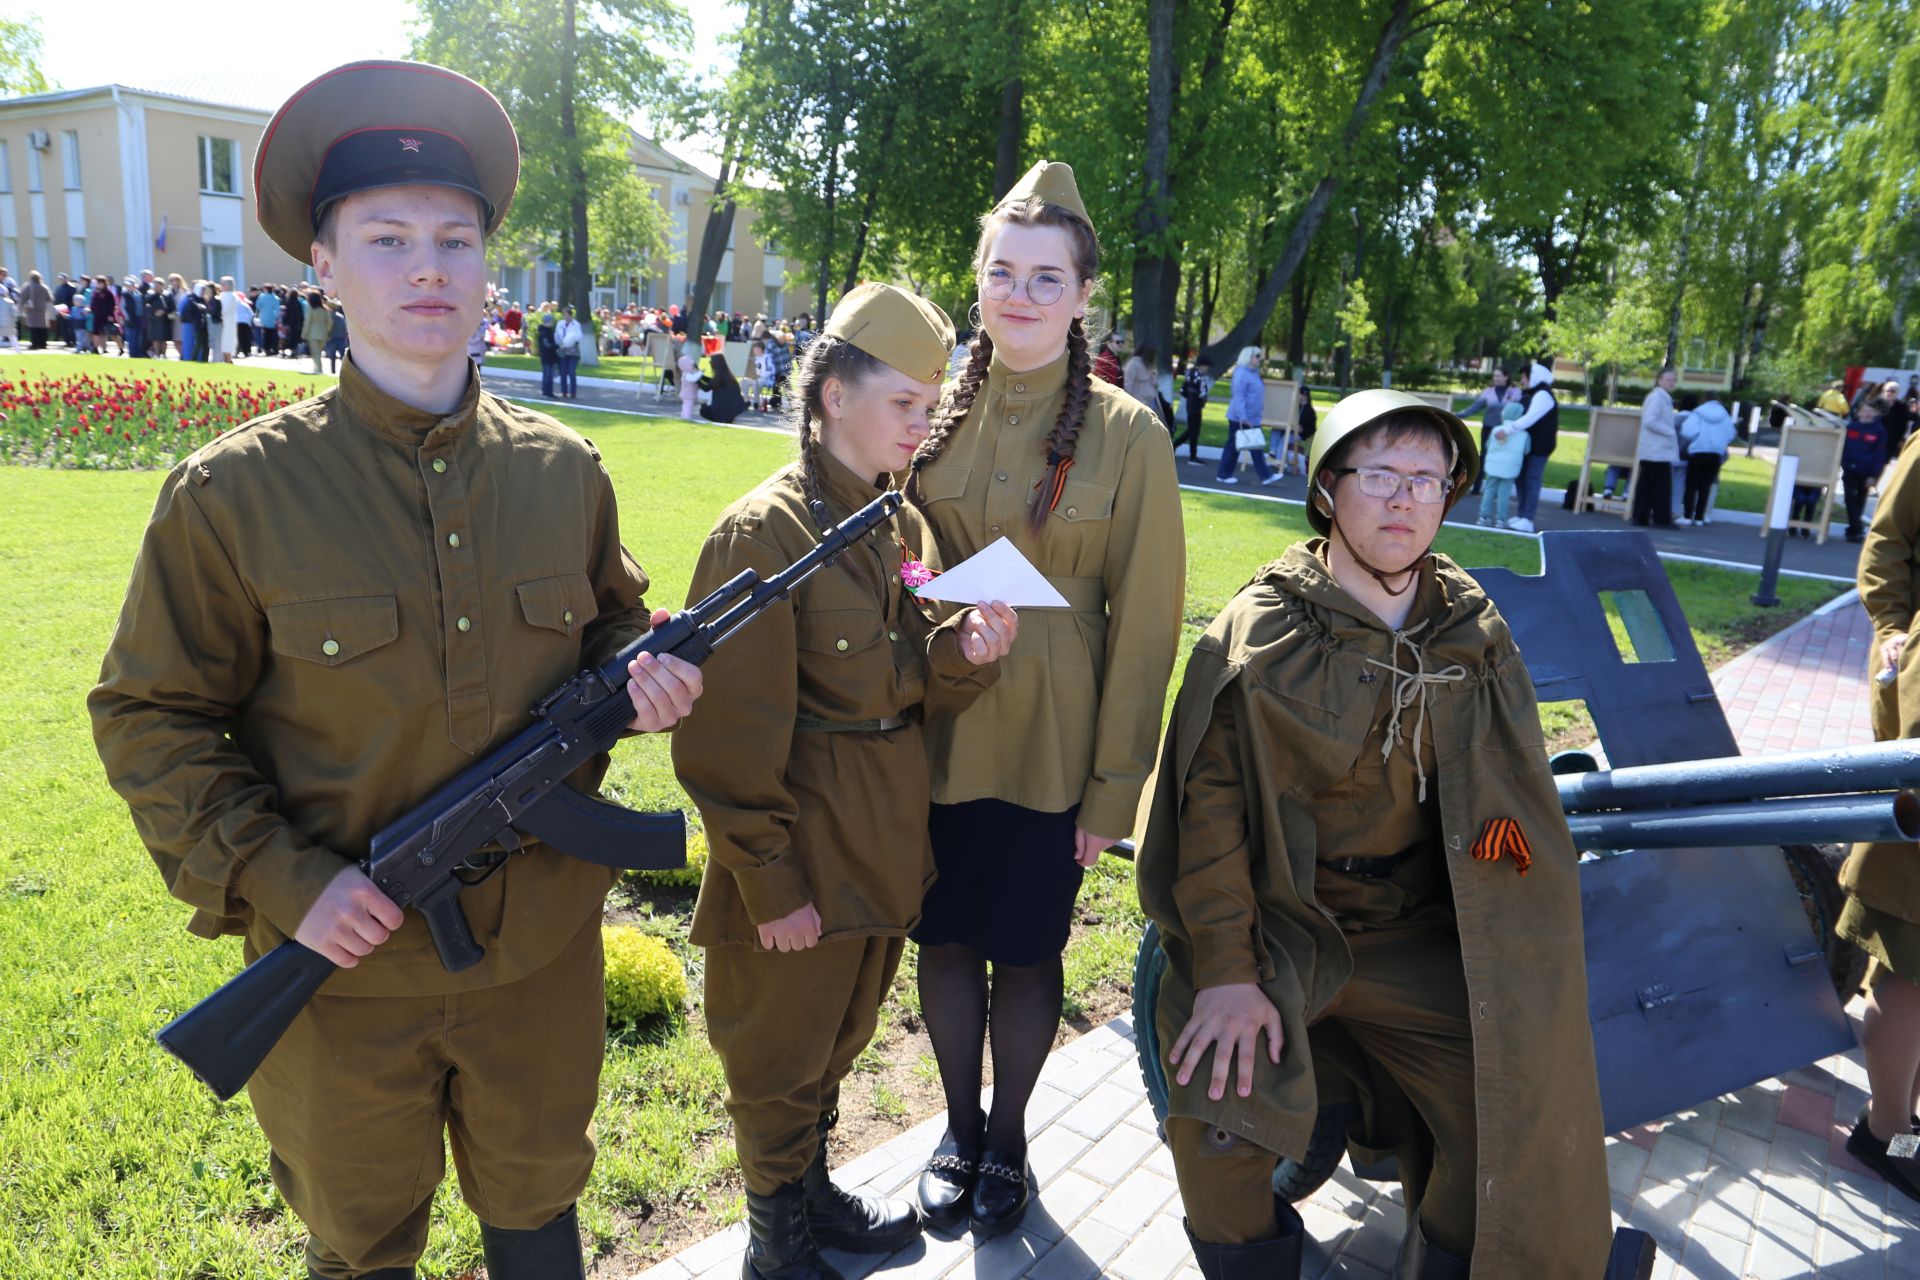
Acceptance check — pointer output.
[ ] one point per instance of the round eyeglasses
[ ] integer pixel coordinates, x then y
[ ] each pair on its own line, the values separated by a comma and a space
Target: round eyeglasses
1043, 287
1380, 482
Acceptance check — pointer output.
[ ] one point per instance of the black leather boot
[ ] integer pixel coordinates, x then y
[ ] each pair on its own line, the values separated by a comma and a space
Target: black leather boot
779, 1244
842, 1219
1421, 1259
1002, 1193
946, 1187
1276, 1259
551, 1252
1632, 1256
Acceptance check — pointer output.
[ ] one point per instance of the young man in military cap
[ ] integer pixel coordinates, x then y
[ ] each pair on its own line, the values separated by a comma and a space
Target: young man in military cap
1367, 893
334, 609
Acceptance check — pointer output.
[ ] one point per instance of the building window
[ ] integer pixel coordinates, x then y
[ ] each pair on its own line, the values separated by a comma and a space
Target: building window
77, 251
43, 257
70, 157
219, 166
10, 256
646, 291
553, 285
221, 260
33, 168
773, 302
6, 168
722, 297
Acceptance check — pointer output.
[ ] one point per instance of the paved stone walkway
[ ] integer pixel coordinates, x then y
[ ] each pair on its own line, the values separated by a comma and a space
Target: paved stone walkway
1755, 1184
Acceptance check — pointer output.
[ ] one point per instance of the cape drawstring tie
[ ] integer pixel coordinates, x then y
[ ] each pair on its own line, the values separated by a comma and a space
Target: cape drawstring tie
1410, 687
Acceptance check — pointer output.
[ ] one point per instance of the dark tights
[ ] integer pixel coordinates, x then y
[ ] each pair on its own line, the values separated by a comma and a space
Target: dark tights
1022, 1006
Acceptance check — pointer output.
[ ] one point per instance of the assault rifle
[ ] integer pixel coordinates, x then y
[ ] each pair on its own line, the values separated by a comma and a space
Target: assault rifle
517, 791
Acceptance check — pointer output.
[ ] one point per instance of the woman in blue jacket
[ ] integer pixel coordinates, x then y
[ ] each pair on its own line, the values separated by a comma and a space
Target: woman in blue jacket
1245, 408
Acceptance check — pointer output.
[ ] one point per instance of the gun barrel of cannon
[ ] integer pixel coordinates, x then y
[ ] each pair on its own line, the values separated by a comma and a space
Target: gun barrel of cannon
1891, 816
1884, 766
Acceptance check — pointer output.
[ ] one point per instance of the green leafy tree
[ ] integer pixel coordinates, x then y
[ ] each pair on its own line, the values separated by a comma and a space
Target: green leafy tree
568, 72
21, 52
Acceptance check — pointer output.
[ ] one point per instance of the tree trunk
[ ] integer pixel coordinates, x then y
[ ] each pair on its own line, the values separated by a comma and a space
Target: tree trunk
576, 280
1186, 314
1302, 305
1152, 263
829, 193
719, 228
1688, 221
1209, 294
1248, 328
1013, 129
870, 179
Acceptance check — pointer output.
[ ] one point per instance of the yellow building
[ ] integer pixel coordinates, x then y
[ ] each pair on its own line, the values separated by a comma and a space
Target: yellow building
113, 180
752, 275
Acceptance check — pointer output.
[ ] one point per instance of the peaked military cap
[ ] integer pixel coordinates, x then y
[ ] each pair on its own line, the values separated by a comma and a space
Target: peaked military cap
1053, 183
381, 124
897, 327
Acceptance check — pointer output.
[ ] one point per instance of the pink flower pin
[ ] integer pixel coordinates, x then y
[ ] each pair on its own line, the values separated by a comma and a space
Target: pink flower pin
915, 574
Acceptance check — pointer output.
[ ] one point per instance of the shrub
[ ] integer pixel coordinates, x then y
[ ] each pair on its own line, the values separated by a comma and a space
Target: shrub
644, 977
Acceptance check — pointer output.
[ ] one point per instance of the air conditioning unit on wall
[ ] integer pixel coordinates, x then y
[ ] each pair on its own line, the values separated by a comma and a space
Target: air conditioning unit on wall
39, 139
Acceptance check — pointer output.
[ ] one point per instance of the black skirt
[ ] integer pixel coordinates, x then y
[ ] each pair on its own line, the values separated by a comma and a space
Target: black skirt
1007, 881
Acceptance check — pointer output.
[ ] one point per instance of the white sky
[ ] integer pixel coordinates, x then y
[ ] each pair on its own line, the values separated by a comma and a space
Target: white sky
266, 51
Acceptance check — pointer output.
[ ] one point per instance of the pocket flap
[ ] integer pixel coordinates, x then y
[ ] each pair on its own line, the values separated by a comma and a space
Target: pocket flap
938, 483
562, 603
333, 631
841, 632
1084, 500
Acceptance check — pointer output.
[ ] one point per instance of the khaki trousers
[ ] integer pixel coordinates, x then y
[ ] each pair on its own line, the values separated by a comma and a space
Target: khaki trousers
356, 1097
1406, 1009
787, 1026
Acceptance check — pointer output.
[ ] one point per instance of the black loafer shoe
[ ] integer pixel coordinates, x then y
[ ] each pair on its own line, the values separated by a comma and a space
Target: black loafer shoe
1002, 1193
1901, 1172
946, 1186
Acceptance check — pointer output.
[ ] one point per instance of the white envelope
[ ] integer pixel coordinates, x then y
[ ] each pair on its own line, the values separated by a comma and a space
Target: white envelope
1000, 573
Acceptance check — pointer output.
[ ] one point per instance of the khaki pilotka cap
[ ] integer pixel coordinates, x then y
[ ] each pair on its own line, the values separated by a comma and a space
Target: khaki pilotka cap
895, 327
1053, 183
380, 124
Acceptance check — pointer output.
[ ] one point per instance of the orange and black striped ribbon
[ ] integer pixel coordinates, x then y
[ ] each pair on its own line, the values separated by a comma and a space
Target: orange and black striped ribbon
1503, 835
1060, 470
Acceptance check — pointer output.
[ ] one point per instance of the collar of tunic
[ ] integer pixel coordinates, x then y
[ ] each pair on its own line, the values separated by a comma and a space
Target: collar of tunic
1033, 384
397, 420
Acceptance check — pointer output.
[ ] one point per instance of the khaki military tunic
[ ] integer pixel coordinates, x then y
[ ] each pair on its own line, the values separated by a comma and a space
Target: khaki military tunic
1452, 992
335, 608
805, 800
1883, 880
1044, 737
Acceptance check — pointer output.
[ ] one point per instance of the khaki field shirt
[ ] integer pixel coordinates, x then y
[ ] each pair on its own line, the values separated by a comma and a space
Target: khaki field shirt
335, 608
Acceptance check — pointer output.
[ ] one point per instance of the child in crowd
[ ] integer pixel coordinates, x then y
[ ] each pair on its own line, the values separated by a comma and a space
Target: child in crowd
1862, 458
1506, 451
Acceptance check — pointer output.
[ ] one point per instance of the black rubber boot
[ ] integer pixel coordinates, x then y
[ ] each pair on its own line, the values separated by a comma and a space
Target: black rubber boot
1632, 1257
1421, 1259
946, 1186
1276, 1259
780, 1246
551, 1252
842, 1219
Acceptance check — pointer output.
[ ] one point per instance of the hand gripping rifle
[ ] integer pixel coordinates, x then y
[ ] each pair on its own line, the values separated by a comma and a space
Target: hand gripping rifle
517, 791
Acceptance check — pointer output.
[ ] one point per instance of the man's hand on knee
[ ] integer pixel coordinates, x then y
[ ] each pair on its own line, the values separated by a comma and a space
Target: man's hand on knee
349, 919
1229, 1020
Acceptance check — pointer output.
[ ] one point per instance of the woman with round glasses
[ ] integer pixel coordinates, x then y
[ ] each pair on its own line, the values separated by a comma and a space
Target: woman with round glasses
1044, 771
1366, 891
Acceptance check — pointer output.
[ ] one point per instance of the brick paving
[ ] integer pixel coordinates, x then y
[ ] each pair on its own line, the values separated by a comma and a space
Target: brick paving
1751, 1185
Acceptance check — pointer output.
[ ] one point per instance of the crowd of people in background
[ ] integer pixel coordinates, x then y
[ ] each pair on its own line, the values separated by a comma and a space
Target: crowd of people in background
146, 317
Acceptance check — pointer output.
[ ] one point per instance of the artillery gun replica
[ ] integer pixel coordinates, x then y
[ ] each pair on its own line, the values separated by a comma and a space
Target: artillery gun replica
1708, 880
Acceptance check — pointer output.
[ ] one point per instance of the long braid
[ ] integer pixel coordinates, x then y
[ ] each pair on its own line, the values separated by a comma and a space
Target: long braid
826, 357
952, 410
1060, 441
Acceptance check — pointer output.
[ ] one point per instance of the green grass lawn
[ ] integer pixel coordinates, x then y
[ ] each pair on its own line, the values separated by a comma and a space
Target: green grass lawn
623, 368
115, 1164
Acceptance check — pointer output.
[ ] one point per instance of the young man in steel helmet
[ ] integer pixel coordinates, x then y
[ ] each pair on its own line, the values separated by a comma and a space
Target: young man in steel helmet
336, 607
1366, 890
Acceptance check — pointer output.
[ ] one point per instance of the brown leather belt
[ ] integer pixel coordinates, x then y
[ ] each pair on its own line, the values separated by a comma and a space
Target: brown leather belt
814, 724
1372, 868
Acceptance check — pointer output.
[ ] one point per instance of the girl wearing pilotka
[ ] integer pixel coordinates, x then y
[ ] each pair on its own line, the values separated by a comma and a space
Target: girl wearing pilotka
1366, 890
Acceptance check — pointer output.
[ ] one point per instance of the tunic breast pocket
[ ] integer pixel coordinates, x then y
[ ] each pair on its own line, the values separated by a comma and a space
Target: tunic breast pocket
333, 631
1081, 501
838, 633
563, 602
943, 484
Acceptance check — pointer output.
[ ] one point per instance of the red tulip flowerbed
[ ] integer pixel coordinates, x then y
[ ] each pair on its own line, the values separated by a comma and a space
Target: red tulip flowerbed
86, 422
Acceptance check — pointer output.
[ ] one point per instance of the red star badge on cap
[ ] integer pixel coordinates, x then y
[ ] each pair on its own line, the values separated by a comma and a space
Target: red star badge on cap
410, 144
